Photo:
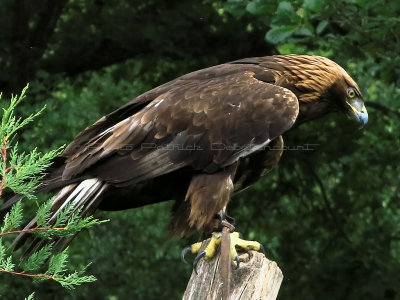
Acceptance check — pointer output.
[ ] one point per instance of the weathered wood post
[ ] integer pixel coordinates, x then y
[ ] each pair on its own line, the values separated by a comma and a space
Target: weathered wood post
259, 278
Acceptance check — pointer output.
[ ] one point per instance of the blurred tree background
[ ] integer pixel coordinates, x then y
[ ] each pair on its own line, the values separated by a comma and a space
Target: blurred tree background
329, 216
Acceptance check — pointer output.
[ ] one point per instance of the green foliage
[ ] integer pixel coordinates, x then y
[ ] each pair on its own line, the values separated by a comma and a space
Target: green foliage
58, 267
30, 297
26, 170
37, 259
339, 29
67, 223
5, 261
67, 226
9, 123
13, 219
22, 173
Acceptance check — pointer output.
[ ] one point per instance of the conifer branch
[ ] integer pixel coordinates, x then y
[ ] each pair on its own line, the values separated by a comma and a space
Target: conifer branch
30, 230
22, 174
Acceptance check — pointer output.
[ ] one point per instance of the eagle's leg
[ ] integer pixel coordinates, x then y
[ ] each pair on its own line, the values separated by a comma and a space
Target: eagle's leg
236, 243
225, 221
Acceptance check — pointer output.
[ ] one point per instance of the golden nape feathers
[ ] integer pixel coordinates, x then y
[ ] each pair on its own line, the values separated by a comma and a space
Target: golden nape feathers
313, 75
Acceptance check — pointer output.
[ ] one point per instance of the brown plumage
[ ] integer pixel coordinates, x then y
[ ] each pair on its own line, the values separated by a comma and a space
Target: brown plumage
199, 138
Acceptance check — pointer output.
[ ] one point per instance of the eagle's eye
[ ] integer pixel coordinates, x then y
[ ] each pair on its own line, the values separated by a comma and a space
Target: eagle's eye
351, 93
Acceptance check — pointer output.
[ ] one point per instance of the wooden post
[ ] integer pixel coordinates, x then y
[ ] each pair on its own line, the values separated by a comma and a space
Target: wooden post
258, 279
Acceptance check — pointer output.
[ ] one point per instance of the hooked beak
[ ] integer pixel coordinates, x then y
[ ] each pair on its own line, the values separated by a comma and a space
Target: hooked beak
359, 111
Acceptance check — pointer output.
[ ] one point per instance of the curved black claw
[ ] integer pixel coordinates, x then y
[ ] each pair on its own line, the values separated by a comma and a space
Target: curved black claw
262, 250
250, 255
229, 219
197, 259
183, 253
237, 262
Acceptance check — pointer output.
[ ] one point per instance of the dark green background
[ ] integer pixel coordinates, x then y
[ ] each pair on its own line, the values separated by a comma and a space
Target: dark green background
329, 217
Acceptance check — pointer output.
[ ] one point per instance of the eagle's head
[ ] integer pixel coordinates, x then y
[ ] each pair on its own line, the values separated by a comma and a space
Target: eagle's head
322, 86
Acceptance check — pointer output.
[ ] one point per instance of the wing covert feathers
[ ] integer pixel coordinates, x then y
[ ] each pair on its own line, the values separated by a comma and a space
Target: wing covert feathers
203, 123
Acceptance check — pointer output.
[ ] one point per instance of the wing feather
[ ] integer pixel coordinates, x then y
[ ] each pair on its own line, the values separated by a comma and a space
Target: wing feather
203, 122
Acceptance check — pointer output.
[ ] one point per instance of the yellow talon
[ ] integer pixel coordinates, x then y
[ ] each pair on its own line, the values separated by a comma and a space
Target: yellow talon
195, 248
215, 241
212, 246
236, 241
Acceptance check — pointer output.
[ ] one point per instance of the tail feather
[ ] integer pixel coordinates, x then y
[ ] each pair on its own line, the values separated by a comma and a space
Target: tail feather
84, 196
79, 195
88, 209
49, 186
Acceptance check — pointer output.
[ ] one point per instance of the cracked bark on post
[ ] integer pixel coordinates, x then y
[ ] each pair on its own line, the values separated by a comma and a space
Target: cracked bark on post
258, 278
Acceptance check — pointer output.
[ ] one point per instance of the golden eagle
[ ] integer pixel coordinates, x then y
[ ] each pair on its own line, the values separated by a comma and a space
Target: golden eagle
198, 139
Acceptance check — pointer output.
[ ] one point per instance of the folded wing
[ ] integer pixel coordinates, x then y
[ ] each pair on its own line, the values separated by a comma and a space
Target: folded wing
205, 123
